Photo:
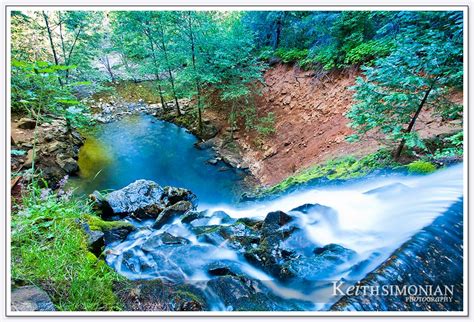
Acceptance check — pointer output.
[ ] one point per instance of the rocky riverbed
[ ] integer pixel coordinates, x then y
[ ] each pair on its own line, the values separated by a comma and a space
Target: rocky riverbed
177, 257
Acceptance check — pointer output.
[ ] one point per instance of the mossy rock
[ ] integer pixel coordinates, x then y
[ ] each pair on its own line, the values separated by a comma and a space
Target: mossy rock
95, 223
421, 167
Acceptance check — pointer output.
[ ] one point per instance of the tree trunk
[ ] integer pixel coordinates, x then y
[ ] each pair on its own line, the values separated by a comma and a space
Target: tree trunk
170, 74
196, 79
161, 95
155, 64
109, 68
279, 26
399, 150
68, 61
51, 42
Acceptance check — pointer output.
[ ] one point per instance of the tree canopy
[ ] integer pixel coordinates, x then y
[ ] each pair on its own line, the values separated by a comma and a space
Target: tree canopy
411, 60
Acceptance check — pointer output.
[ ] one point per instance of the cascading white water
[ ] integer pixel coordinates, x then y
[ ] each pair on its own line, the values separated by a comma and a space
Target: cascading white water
371, 218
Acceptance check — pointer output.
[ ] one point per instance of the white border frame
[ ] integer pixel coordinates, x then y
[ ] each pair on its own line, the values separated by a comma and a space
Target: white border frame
9, 8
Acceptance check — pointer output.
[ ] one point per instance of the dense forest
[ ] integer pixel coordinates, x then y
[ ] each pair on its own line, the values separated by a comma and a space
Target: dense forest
200, 55
190, 65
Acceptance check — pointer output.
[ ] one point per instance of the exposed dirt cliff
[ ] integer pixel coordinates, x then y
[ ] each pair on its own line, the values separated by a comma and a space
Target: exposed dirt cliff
310, 123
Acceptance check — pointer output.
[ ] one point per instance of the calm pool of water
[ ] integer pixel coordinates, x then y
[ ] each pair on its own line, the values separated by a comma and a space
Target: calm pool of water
142, 147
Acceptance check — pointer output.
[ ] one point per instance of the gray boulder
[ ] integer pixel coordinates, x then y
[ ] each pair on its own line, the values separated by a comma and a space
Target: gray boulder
168, 214
30, 298
142, 198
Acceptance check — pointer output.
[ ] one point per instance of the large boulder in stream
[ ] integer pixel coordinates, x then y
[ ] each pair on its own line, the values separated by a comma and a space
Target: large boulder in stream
141, 199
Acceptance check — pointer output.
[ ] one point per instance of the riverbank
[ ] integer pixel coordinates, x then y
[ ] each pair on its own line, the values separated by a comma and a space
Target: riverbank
308, 129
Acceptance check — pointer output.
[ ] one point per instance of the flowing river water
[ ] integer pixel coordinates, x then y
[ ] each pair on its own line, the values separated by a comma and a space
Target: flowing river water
368, 219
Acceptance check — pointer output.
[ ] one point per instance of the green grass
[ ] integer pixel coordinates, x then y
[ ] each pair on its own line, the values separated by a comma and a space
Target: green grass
421, 167
342, 168
49, 249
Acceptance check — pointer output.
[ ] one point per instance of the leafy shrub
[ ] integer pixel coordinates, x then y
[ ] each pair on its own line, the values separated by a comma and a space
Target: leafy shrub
292, 55
368, 51
265, 53
266, 124
453, 146
421, 167
327, 57
35, 89
49, 248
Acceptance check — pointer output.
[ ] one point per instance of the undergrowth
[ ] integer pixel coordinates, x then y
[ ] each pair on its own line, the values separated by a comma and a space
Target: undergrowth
49, 249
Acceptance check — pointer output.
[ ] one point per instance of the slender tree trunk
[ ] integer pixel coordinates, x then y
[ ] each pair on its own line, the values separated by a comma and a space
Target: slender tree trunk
161, 94
170, 74
399, 150
232, 120
109, 68
279, 26
63, 46
155, 64
68, 61
196, 79
51, 42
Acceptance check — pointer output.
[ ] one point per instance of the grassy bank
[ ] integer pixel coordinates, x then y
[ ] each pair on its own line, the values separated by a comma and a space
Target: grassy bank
49, 249
351, 167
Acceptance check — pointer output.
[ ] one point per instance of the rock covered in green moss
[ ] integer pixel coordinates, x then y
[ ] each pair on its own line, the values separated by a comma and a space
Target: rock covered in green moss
421, 167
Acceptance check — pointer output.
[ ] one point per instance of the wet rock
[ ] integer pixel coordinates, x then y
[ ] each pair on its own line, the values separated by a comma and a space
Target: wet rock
222, 268
239, 293
169, 239
270, 255
170, 213
95, 239
326, 260
274, 221
165, 238
189, 216
309, 207
117, 234
172, 195
30, 298
68, 164
143, 198
26, 123
216, 218
251, 222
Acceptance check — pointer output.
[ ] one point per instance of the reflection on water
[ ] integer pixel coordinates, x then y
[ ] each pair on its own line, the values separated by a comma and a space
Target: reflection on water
142, 147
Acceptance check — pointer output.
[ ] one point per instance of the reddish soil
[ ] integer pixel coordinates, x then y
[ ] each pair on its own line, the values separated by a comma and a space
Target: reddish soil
310, 123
